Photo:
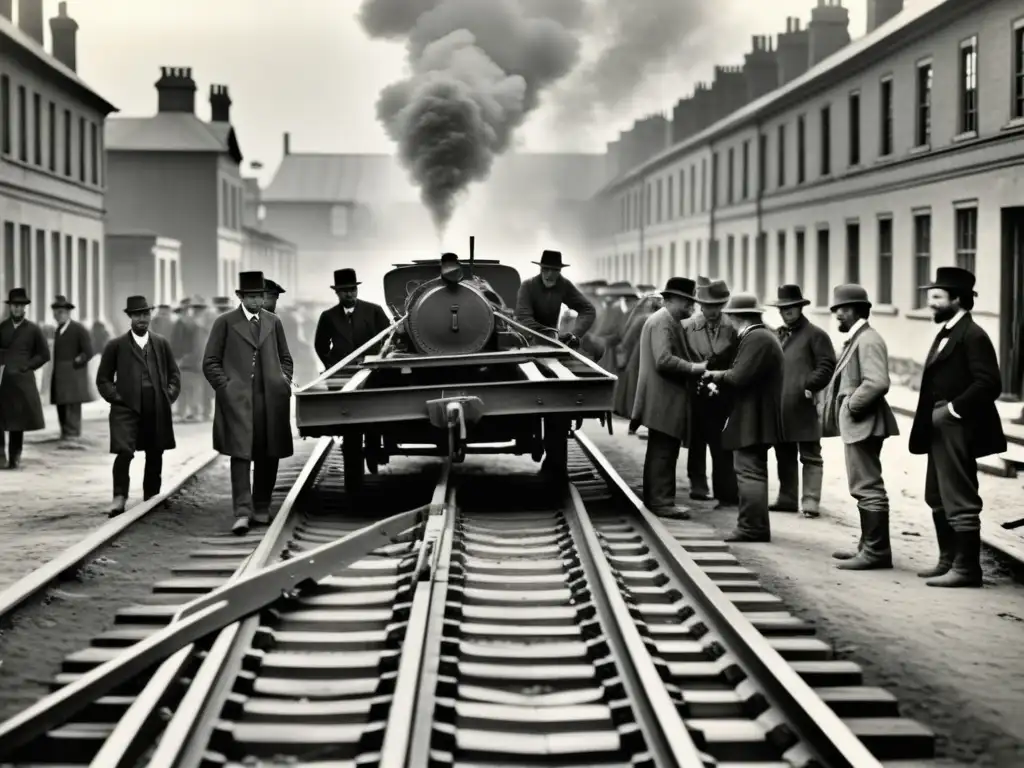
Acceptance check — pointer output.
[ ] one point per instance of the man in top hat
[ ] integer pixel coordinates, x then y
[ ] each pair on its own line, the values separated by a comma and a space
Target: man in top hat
346, 327
69, 386
188, 342
140, 379
810, 361
163, 321
23, 351
663, 392
956, 423
753, 384
713, 341
248, 364
854, 409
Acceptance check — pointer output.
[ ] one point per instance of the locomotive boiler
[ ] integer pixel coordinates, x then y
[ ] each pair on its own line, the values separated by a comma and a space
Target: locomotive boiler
454, 374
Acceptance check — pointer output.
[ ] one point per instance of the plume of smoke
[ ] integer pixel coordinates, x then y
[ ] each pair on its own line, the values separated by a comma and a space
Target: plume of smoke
478, 68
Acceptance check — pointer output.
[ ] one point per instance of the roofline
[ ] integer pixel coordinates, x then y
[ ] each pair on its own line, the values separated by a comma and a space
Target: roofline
916, 23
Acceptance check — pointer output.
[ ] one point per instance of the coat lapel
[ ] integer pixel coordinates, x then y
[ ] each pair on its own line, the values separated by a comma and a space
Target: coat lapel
844, 359
955, 337
266, 325
343, 325
241, 325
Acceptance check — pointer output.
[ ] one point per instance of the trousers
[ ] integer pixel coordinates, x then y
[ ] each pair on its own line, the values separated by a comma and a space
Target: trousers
660, 469
70, 418
250, 494
951, 480
809, 454
864, 470
12, 445
705, 436
151, 478
751, 465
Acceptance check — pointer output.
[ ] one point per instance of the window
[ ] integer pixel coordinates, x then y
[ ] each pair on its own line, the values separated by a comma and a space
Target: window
730, 170
84, 306
682, 193
22, 124
703, 184
69, 263
60, 280
41, 264
885, 260
714, 267
744, 280
339, 220
854, 128
781, 155
669, 203
5, 113
1018, 71
746, 170
801, 149
730, 255
81, 149
969, 85
966, 238
94, 154
700, 254
923, 128
800, 256
922, 257
886, 140
826, 141
715, 178
672, 260
67, 143
781, 256
853, 252
658, 201
762, 162
25, 257
37, 129
761, 274
648, 200
8, 273
693, 189
51, 135
823, 268
688, 269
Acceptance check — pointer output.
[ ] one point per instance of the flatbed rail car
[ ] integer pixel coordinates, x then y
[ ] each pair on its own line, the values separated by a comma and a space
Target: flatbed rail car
454, 375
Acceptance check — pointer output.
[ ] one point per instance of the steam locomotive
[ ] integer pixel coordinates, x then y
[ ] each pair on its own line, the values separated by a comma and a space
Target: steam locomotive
455, 374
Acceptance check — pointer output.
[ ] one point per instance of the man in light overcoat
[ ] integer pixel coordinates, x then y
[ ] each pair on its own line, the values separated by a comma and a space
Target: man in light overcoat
248, 364
854, 409
69, 386
662, 397
23, 351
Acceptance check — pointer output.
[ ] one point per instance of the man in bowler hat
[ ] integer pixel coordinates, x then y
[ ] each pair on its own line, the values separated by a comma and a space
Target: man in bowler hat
956, 423
69, 386
139, 377
854, 409
753, 384
271, 296
23, 351
248, 364
810, 361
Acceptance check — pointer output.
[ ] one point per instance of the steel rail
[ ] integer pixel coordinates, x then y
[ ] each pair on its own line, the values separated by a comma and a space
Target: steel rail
820, 729
323, 377
123, 747
39, 579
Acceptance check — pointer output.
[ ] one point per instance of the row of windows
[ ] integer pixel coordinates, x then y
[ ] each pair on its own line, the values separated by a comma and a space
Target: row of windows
36, 131
231, 199
737, 267
168, 284
678, 195
49, 263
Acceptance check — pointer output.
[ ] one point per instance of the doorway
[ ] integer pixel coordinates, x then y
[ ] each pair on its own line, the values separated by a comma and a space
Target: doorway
1011, 313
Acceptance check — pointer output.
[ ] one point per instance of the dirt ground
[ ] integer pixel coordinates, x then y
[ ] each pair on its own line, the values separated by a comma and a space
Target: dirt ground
952, 657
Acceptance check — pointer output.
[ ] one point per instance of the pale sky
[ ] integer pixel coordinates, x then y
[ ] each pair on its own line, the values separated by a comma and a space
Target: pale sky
305, 66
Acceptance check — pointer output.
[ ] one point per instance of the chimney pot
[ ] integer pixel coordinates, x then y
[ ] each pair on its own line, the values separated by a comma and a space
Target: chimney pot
287, 143
220, 104
176, 90
30, 18
64, 38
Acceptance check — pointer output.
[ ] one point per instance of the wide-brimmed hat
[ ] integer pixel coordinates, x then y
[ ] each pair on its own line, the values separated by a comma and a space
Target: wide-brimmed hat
345, 278
551, 260
617, 289
61, 302
953, 279
850, 293
714, 293
196, 302
702, 281
680, 286
273, 288
742, 304
251, 282
18, 296
136, 304
647, 288
221, 301
790, 296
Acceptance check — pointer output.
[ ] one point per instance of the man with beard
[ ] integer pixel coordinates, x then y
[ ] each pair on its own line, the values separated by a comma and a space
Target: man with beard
714, 342
854, 409
23, 351
72, 351
139, 378
956, 423
662, 394
810, 361
753, 384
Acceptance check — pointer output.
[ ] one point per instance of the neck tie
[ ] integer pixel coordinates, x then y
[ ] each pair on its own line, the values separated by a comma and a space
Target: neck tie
254, 326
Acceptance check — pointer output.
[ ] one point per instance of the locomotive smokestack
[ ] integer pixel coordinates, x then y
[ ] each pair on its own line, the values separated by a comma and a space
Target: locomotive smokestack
472, 253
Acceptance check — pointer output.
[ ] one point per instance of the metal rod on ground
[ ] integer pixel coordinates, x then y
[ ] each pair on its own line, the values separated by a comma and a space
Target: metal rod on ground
472, 253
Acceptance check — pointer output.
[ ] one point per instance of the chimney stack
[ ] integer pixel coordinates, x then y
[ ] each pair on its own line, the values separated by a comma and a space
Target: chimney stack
880, 11
7, 9
63, 34
793, 54
220, 104
829, 30
176, 90
287, 144
30, 18
761, 69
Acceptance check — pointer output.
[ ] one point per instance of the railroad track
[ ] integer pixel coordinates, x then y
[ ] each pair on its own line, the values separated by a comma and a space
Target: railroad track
516, 624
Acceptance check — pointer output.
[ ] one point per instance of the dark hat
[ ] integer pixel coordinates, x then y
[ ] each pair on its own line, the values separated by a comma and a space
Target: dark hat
703, 281
221, 301
681, 286
551, 260
251, 282
273, 288
163, 306
137, 304
598, 284
850, 293
18, 296
790, 296
953, 279
715, 292
647, 288
742, 304
345, 278
61, 302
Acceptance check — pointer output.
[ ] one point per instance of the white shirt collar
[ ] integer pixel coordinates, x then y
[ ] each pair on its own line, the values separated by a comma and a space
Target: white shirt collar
248, 315
63, 327
956, 318
349, 310
142, 340
856, 327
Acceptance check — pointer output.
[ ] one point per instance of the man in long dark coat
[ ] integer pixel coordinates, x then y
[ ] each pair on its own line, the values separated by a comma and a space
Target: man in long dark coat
72, 351
956, 423
248, 364
753, 384
139, 378
629, 351
23, 351
810, 360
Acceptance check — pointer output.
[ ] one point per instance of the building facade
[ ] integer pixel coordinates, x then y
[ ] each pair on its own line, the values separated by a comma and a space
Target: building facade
898, 153
141, 263
52, 174
262, 250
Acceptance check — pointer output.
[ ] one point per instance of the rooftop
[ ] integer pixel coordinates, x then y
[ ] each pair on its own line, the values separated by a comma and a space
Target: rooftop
170, 132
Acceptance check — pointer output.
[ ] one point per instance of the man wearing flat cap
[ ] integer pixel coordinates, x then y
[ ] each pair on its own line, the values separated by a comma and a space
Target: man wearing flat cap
248, 364
753, 384
956, 423
139, 377
854, 409
23, 351
69, 385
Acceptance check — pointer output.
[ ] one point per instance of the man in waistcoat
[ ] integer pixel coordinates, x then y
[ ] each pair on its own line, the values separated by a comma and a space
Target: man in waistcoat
69, 386
810, 361
956, 423
248, 364
23, 351
139, 377
854, 409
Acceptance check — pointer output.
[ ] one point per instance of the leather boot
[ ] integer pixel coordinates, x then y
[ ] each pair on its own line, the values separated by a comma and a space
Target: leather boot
117, 506
813, 477
849, 554
947, 546
876, 552
789, 488
966, 570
